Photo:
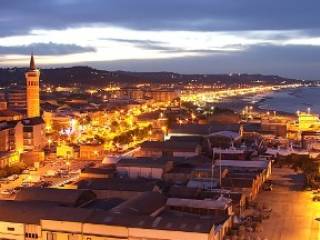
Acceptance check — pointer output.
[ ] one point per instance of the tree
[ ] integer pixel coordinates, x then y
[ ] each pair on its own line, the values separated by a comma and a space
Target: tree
304, 163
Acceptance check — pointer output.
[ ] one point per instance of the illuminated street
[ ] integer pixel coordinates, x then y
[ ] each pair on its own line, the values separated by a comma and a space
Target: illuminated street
117, 130
200, 98
293, 211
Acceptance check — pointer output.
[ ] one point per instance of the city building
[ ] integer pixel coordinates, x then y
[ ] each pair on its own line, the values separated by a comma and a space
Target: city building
146, 216
308, 121
8, 159
11, 136
8, 115
169, 148
103, 172
33, 90
124, 188
34, 137
91, 152
3, 104
144, 167
164, 95
16, 99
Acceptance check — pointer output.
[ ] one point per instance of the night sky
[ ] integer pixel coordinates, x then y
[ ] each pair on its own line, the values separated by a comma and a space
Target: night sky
187, 36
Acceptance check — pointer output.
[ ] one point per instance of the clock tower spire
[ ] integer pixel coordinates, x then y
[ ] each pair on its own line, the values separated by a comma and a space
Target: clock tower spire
33, 90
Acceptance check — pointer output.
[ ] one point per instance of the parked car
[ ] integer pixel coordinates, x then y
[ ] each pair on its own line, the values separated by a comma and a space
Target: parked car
63, 172
51, 173
75, 171
26, 184
4, 180
6, 192
32, 169
13, 177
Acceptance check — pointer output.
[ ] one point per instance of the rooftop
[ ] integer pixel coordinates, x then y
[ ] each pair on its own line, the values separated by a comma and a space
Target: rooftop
24, 212
32, 121
8, 124
64, 197
244, 164
142, 162
144, 204
118, 184
204, 129
170, 145
98, 170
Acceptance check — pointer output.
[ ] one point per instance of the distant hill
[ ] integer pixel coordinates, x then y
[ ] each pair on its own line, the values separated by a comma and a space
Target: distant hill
86, 76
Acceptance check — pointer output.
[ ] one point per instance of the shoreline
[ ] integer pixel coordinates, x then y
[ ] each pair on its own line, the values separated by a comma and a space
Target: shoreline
238, 103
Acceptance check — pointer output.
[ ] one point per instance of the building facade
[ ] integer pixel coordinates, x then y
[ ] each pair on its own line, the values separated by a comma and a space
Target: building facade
33, 90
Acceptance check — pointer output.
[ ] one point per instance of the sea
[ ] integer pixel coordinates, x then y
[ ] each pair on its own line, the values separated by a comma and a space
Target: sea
290, 100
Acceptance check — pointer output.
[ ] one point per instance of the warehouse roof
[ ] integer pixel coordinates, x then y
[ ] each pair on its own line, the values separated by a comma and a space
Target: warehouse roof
65, 197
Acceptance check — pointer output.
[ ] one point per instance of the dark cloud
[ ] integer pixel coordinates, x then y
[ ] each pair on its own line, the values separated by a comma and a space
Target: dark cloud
19, 16
301, 62
145, 44
163, 46
134, 41
45, 49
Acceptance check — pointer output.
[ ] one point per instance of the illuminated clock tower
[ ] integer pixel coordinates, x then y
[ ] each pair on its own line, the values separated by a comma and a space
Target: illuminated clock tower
33, 89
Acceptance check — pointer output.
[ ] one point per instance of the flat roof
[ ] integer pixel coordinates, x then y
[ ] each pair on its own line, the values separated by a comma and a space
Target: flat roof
66, 197
243, 164
170, 145
104, 204
117, 184
167, 220
142, 162
24, 212
198, 203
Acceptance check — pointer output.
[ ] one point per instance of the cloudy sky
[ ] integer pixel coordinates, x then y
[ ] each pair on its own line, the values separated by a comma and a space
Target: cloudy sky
188, 36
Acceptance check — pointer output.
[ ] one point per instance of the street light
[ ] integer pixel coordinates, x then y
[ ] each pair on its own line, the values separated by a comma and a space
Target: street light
49, 142
68, 165
150, 134
96, 153
193, 116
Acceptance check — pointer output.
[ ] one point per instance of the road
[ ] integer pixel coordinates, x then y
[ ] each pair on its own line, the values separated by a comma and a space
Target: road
293, 211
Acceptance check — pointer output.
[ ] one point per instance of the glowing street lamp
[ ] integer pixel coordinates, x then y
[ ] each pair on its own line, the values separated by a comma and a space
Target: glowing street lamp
68, 165
49, 142
164, 130
96, 153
